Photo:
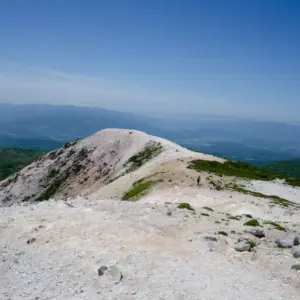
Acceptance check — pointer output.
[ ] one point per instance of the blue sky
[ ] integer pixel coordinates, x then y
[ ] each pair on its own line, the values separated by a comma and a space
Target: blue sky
239, 58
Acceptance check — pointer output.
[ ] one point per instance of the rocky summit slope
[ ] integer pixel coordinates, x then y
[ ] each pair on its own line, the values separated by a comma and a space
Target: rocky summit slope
84, 166
125, 219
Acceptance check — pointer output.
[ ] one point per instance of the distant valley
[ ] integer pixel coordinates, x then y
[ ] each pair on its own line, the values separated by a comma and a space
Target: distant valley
47, 127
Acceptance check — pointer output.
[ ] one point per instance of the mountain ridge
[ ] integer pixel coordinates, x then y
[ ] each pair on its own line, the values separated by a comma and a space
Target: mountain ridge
86, 165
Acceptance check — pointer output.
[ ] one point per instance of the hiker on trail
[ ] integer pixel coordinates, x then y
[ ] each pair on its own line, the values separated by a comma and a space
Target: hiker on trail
198, 180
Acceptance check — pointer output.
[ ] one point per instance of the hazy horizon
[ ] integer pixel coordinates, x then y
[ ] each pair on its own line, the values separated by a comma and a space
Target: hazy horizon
191, 117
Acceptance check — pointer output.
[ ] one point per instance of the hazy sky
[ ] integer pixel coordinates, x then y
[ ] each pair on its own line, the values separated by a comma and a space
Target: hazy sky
237, 58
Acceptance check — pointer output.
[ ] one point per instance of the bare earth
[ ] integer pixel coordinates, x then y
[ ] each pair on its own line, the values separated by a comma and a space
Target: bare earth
160, 256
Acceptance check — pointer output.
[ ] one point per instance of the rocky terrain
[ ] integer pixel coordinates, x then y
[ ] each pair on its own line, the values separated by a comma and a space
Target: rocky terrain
85, 166
125, 219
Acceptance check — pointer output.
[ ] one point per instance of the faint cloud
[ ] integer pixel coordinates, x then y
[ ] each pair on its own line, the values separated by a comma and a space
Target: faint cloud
36, 85
22, 85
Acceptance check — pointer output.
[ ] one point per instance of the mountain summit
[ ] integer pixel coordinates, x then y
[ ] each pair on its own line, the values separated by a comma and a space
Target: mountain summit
85, 166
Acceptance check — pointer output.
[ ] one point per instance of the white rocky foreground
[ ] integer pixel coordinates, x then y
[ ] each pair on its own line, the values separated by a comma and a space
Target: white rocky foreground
84, 247
55, 249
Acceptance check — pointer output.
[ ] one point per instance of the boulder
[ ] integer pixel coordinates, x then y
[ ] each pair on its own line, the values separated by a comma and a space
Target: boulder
288, 242
242, 246
256, 231
296, 251
114, 274
111, 274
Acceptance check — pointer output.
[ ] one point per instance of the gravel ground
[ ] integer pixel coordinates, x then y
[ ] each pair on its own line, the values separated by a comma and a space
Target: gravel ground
53, 249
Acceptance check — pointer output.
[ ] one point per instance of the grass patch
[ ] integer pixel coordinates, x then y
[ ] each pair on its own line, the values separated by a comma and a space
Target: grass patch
275, 225
274, 199
139, 189
207, 208
54, 185
186, 206
252, 222
234, 218
151, 150
51, 190
252, 244
240, 169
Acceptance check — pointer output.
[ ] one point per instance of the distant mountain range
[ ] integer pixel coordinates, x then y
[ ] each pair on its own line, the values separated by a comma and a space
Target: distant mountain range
47, 127
64, 122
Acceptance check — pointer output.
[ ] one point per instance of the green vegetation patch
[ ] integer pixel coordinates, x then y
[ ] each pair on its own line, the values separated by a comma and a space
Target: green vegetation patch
289, 167
139, 189
275, 225
252, 244
186, 206
274, 199
54, 184
240, 169
12, 159
252, 222
151, 150
51, 190
234, 218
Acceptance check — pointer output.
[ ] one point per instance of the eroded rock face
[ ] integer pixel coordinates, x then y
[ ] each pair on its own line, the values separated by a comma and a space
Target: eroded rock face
242, 246
64, 171
296, 251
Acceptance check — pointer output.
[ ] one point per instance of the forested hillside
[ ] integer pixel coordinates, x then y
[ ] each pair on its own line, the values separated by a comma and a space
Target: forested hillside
13, 158
290, 167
